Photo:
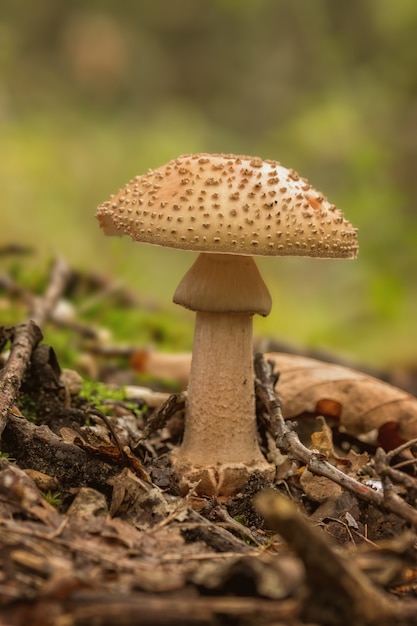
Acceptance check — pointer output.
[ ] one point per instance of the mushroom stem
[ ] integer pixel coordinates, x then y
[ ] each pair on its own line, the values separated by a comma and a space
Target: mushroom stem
220, 413
220, 447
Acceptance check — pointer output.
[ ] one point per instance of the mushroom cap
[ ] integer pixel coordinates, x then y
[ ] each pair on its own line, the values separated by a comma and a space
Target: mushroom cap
229, 204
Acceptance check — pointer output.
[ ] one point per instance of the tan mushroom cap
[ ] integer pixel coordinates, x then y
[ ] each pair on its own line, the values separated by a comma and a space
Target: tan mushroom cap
229, 204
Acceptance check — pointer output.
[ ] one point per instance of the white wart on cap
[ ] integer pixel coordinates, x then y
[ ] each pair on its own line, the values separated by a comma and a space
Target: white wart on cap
229, 204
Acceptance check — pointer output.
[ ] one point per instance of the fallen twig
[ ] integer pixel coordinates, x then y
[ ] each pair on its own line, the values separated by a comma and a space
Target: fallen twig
408, 445
42, 307
289, 443
236, 526
26, 337
103, 609
339, 592
213, 535
385, 470
15, 249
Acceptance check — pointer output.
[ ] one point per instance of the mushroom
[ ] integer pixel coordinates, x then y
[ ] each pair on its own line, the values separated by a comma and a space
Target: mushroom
228, 208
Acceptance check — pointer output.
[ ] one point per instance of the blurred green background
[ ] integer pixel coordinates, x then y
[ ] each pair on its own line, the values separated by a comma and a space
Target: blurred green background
94, 92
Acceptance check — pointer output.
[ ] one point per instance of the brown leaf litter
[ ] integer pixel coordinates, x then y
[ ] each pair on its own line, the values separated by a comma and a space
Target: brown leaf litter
93, 529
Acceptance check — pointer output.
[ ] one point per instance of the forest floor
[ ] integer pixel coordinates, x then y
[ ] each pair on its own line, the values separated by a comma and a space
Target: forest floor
94, 529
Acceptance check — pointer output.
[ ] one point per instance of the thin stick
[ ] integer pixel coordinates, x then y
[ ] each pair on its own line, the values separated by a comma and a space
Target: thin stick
25, 339
288, 442
339, 591
43, 307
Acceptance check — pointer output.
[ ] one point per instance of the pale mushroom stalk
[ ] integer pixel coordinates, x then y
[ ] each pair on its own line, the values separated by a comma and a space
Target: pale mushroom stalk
220, 446
224, 405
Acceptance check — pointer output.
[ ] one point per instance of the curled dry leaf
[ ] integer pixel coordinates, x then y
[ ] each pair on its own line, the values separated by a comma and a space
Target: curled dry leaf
361, 403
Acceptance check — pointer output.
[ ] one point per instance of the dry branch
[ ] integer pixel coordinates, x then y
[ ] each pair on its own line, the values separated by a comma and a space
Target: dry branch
100, 609
213, 535
42, 307
339, 592
26, 337
289, 443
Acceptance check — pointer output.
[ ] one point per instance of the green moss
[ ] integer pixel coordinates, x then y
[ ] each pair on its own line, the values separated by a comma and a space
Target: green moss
6, 455
53, 497
100, 395
27, 407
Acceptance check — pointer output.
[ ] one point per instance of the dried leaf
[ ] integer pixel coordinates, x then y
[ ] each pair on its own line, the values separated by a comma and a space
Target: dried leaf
88, 503
17, 488
361, 402
322, 441
116, 456
136, 500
